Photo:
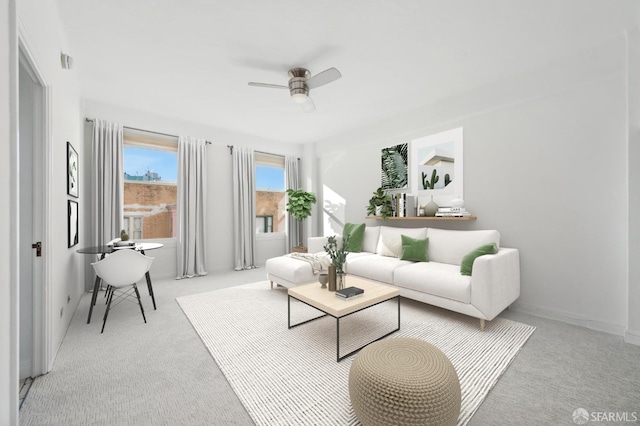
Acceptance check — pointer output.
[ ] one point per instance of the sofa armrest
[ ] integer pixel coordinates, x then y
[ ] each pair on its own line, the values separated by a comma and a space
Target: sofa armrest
495, 281
316, 244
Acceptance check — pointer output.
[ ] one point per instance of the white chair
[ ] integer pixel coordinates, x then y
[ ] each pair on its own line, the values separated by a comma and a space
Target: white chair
121, 271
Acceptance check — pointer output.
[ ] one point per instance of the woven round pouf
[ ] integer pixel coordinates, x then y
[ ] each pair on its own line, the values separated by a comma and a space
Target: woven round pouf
404, 381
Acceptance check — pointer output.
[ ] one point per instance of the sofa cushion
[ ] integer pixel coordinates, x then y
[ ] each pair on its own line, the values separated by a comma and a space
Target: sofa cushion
437, 279
414, 249
450, 247
375, 267
370, 240
466, 267
293, 270
390, 238
389, 246
356, 236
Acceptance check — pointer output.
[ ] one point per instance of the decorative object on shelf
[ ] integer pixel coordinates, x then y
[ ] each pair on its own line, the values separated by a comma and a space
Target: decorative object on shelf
421, 210
394, 167
380, 204
457, 202
431, 208
72, 171
338, 256
323, 279
299, 205
436, 165
332, 278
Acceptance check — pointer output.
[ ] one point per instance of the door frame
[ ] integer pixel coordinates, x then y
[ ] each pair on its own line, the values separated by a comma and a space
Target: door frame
42, 324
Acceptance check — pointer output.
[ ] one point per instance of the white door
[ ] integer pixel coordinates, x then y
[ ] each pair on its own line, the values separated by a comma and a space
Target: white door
30, 144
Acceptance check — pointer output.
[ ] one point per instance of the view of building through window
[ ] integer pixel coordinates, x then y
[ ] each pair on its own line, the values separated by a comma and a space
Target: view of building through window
150, 185
270, 203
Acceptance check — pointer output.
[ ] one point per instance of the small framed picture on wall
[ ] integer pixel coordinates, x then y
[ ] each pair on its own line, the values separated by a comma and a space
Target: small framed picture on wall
72, 219
72, 171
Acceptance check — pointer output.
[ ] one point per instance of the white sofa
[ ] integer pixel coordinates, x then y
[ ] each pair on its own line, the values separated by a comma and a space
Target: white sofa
492, 287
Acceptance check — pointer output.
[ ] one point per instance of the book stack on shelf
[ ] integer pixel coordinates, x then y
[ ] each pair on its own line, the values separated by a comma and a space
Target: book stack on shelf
349, 293
452, 212
403, 205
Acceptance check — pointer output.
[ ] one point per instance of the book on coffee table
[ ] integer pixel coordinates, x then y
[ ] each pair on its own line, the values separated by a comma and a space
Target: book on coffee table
349, 292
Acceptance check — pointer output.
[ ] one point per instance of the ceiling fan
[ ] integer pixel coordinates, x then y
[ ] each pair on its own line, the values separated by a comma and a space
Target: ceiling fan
300, 83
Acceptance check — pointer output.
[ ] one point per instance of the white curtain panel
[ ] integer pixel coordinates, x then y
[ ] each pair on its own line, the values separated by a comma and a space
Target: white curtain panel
292, 177
107, 196
244, 208
192, 229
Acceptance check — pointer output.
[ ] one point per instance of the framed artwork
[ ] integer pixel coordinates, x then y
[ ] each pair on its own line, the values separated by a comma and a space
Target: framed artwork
436, 167
72, 221
72, 171
394, 167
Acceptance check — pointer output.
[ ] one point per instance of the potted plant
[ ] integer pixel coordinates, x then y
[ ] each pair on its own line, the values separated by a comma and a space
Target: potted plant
299, 205
380, 204
338, 255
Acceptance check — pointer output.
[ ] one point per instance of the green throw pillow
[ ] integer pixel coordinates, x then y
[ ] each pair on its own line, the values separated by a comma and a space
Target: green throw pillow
413, 249
356, 236
467, 262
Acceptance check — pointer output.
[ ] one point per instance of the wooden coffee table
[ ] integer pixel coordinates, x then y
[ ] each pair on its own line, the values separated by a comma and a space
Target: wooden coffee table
326, 301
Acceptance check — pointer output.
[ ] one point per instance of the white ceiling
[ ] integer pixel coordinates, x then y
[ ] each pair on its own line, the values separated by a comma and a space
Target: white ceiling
192, 59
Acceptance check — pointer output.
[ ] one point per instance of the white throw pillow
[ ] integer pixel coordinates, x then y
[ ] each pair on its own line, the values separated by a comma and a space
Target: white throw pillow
370, 240
390, 246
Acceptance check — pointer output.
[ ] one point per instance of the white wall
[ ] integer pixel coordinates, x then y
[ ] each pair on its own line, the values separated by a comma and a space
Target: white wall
545, 157
220, 212
8, 280
633, 71
42, 33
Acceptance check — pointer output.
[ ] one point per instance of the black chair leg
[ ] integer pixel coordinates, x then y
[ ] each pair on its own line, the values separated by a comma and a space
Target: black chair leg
150, 287
106, 313
135, 287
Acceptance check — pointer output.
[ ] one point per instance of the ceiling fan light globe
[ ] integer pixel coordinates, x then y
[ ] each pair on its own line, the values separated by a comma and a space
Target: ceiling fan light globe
299, 98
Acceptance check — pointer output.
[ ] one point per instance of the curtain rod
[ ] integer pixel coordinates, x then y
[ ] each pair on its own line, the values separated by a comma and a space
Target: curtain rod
259, 152
91, 120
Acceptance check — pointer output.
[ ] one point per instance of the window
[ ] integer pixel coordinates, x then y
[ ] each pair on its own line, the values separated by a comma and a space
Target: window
133, 226
264, 224
270, 204
150, 185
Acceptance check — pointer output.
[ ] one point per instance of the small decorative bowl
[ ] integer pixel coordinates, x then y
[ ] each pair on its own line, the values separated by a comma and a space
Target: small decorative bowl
323, 279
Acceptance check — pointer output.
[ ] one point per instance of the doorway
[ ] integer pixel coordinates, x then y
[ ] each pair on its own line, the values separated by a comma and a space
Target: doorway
32, 208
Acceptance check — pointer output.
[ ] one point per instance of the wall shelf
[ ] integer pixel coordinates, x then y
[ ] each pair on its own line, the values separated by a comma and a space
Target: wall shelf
424, 218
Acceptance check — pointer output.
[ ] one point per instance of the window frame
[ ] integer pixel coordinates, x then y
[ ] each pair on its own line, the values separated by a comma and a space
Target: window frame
270, 160
153, 141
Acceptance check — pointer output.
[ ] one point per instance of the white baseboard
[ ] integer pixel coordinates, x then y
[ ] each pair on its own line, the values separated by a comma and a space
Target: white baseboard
570, 318
632, 337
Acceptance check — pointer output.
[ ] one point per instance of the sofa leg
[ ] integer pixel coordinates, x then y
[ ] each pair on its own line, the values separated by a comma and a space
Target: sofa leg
481, 325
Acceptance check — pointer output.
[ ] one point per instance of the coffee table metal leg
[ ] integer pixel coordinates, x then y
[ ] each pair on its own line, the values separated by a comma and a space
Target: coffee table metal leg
340, 358
303, 322
337, 339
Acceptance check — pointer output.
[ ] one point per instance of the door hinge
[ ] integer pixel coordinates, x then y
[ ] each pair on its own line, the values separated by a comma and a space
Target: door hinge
38, 247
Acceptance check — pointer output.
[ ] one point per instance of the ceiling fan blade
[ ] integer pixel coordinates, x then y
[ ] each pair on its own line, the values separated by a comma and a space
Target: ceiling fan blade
308, 106
325, 77
271, 86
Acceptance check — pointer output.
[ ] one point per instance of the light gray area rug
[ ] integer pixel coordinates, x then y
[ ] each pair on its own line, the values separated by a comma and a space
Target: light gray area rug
291, 377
